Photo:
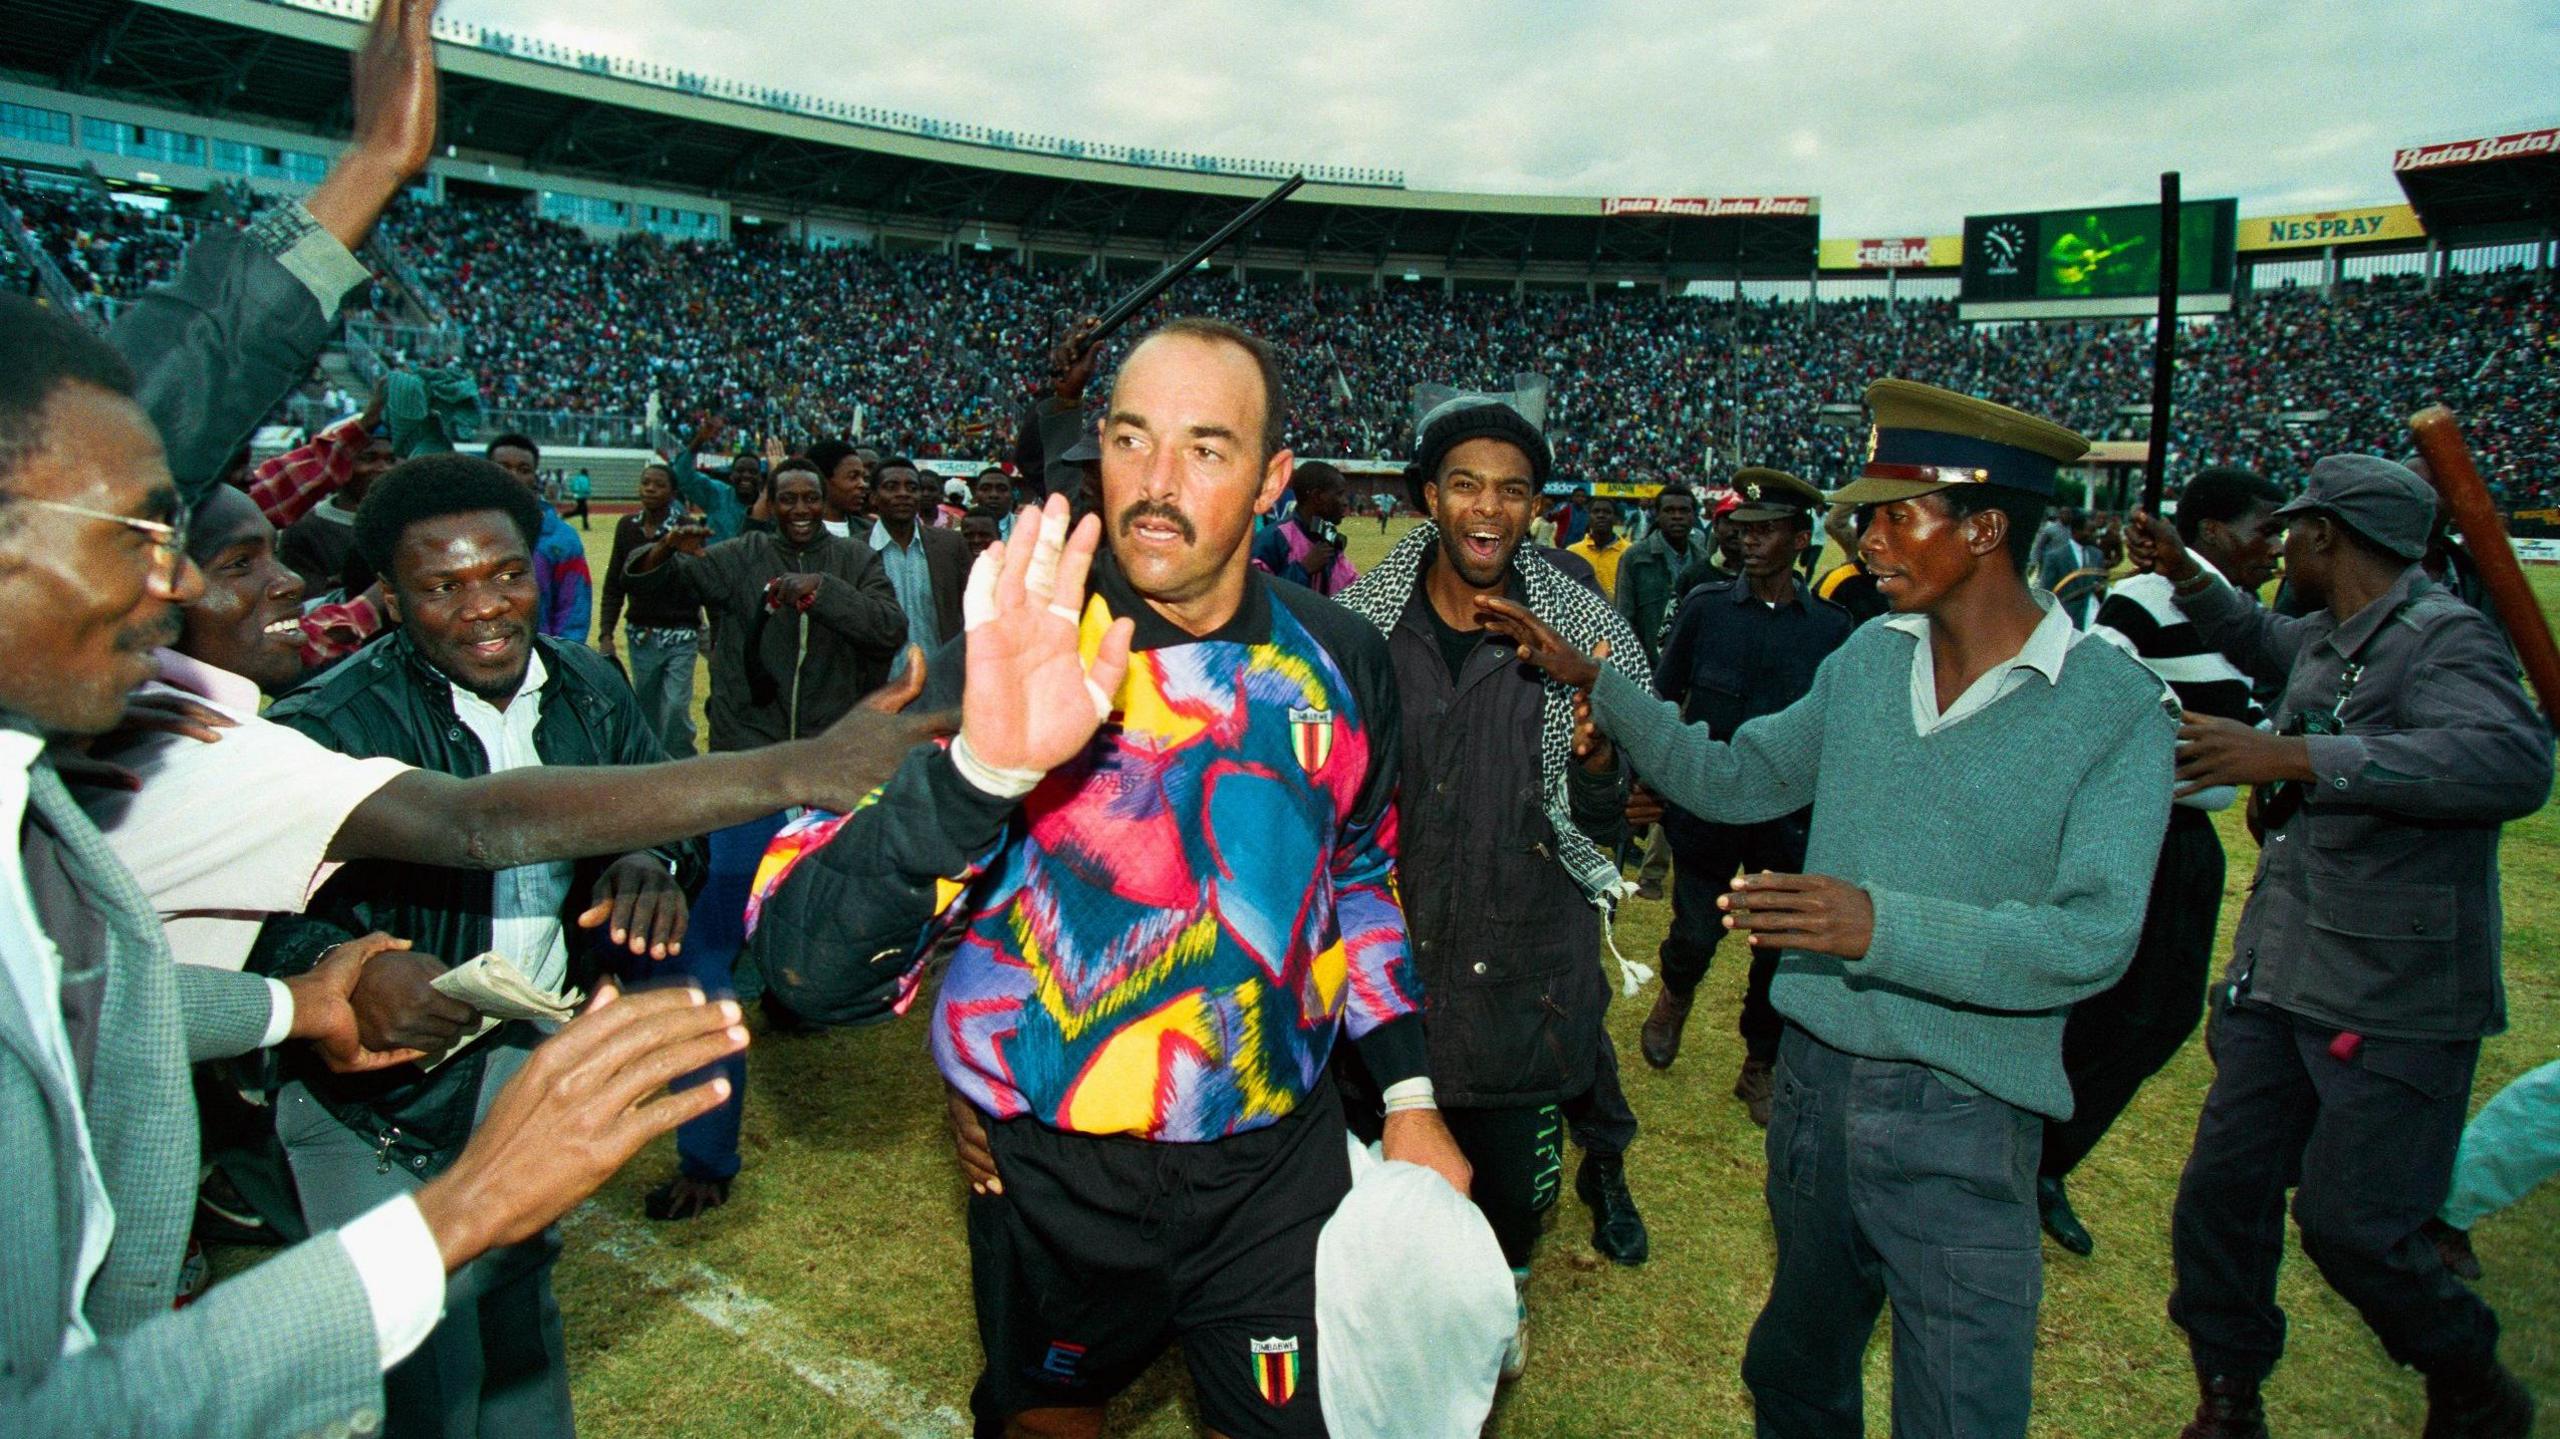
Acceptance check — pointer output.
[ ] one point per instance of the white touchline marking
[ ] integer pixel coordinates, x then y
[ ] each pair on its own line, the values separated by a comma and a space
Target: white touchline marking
882, 1396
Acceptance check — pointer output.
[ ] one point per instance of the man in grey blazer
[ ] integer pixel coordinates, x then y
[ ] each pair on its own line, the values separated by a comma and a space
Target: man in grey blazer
97, 1025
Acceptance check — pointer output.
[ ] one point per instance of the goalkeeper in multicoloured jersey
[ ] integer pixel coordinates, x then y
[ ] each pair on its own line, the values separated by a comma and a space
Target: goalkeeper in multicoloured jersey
1165, 833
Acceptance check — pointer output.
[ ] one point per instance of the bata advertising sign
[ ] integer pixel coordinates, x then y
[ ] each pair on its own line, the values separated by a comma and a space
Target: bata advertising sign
2473, 152
2331, 227
1707, 207
1917, 252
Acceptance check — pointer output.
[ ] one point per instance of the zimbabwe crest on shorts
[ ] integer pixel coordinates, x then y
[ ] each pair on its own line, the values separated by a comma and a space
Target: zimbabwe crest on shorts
1311, 739
1275, 1369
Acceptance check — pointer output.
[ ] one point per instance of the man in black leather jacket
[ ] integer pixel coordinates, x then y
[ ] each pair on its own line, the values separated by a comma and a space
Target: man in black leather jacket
464, 687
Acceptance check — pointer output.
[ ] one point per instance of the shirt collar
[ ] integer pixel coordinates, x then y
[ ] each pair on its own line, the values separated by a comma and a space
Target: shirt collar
1250, 625
19, 746
536, 675
1744, 595
185, 672
2365, 623
2047, 646
880, 539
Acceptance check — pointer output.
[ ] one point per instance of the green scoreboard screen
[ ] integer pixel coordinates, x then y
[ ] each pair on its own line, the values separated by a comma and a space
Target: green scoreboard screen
2107, 253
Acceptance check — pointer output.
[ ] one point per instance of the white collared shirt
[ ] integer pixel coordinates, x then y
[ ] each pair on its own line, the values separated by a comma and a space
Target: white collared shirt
35, 980
2042, 654
525, 901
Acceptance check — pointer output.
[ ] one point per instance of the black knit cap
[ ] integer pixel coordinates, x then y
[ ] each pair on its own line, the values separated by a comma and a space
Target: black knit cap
1457, 423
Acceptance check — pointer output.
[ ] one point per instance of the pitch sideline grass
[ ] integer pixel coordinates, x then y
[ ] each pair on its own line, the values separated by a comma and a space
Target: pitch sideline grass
847, 1220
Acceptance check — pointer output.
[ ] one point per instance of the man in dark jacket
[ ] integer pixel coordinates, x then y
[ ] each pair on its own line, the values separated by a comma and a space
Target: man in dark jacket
1507, 839
465, 687
2366, 969
665, 628
1736, 650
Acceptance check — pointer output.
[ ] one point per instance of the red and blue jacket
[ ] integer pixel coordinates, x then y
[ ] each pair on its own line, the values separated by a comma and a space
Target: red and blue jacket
1163, 938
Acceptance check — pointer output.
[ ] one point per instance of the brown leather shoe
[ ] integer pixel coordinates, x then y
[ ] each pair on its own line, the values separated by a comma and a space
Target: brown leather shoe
1660, 1040
1756, 1087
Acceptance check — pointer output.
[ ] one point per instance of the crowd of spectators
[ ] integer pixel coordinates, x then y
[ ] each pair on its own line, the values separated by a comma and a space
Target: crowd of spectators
933, 354
104, 248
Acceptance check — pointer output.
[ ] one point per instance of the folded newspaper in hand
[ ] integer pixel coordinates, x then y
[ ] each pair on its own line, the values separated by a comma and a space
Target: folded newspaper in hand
491, 984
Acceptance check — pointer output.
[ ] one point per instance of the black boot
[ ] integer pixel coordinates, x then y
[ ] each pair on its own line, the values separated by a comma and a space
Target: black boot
2228, 1410
1617, 1230
2053, 1206
2486, 1403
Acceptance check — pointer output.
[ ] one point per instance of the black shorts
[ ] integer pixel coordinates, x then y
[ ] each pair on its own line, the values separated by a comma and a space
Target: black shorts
1103, 1250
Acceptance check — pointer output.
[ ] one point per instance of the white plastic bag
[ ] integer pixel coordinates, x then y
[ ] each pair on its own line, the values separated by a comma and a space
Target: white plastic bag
1413, 1307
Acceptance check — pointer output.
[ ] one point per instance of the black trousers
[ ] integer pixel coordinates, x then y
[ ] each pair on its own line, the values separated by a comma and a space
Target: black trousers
2115, 1041
2367, 1143
1518, 1158
1704, 859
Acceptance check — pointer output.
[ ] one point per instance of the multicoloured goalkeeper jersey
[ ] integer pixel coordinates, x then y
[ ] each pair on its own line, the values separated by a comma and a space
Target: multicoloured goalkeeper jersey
1162, 938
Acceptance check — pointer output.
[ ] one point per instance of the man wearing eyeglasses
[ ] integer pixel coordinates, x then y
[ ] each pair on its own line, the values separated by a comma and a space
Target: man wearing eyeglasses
97, 1026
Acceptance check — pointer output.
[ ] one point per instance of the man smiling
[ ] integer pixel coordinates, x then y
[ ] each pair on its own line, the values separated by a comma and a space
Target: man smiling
1926, 968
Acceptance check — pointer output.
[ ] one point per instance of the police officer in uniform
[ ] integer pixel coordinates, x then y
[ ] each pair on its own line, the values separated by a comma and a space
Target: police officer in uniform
1737, 649
2366, 969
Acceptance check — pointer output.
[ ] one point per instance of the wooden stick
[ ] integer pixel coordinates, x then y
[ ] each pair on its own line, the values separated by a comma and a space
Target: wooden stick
2484, 535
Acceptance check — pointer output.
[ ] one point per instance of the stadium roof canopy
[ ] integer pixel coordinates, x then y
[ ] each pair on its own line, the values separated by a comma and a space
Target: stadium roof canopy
550, 110
2490, 188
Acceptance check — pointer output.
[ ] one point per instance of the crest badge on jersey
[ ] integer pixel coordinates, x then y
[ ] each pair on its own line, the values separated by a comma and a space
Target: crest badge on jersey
1275, 1369
1311, 736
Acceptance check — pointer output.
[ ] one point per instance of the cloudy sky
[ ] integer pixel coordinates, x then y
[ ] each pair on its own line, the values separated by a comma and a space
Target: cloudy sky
1902, 117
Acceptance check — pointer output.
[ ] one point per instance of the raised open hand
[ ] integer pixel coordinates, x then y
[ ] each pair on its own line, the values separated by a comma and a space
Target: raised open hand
1029, 702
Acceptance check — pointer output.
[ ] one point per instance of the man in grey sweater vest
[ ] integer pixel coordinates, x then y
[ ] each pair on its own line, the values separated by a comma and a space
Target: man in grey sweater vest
1988, 800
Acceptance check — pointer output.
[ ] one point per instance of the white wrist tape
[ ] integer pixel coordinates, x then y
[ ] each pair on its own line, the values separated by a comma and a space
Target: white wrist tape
987, 778
1414, 1093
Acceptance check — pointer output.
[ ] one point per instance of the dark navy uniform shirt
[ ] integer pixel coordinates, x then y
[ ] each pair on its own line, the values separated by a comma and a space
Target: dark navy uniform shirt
1733, 657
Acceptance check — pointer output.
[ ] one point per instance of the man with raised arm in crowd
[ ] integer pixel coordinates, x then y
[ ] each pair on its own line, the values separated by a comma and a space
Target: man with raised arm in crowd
100, 1025
1927, 963
2116, 1040
1164, 837
2366, 969
1507, 841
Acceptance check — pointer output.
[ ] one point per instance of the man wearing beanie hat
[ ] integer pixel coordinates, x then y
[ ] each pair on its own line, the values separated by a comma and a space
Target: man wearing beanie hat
1988, 797
1506, 840
2365, 972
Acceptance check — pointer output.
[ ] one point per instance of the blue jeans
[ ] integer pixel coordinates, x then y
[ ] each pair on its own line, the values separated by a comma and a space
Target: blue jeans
707, 1148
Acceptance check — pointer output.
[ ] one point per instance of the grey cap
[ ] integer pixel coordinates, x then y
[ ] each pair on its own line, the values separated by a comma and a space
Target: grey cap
2381, 500
1086, 449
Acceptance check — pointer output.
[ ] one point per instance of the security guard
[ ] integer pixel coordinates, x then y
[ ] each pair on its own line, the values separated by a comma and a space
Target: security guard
2366, 967
1738, 649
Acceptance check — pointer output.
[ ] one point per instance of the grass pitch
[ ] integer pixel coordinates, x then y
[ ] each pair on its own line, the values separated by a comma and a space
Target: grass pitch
830, 1297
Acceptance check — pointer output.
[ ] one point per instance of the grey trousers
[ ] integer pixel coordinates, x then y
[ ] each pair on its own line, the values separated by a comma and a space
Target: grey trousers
662, 676
1888, 1183
496, 1366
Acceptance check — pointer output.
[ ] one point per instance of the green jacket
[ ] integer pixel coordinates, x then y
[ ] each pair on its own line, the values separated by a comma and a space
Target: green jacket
387, 700
1646, 573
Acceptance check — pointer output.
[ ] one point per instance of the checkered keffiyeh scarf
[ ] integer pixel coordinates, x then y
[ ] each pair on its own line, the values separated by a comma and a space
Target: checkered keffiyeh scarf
1584, 619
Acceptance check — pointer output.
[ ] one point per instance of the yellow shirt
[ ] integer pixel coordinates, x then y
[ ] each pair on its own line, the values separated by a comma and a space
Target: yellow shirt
1604, 563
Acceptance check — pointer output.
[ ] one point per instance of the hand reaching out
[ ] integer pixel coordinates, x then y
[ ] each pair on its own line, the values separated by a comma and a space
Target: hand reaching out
1539, 645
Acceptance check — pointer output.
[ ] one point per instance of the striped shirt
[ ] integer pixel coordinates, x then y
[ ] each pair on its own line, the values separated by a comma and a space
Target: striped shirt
2141, 617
